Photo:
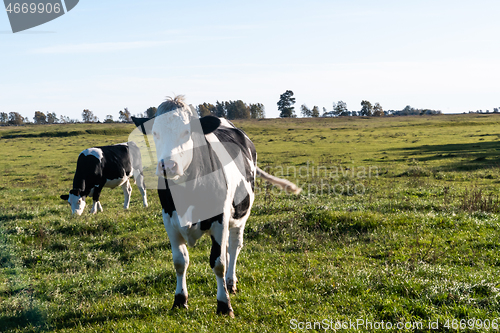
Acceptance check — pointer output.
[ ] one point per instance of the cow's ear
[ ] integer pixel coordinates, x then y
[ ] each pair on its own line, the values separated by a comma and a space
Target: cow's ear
209, 124
75, 192
65, 196
140, 123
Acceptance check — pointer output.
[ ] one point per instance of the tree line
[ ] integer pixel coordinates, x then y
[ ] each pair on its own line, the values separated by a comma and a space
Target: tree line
229, 109
40, 118
232, 110
495, 110
287, 110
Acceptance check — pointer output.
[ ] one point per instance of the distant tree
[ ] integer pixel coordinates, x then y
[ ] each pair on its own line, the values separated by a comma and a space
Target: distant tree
329, 113
305, 111
125, 116
340, 109
52, 118
285, 105
237, 110
315, 112
220, 110
109, 119
377, 110
243, 111
4, 118
15, 118
66, 120
88, 116
366, 108
150, 112
408, 110
205, 109
257, 111
40, 118
495, 110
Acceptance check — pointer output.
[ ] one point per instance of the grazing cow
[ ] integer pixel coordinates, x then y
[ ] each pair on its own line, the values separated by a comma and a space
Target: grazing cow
206, 168
106, 166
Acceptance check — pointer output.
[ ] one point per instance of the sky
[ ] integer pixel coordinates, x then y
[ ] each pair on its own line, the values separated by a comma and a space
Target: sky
108, 55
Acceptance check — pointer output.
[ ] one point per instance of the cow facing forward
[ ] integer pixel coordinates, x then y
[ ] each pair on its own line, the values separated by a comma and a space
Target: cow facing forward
106, 166
206, 168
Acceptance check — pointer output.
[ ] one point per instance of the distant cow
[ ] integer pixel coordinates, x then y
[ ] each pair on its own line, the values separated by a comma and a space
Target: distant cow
106, 166
206, 170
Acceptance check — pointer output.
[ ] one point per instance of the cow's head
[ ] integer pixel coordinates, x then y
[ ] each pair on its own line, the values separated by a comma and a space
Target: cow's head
177, 130
76, 201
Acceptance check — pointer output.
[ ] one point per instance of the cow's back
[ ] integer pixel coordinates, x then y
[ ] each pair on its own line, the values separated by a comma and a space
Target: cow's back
116, 162
237, 142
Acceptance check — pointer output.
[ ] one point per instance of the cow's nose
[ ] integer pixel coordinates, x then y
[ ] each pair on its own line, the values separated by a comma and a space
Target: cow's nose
167, 167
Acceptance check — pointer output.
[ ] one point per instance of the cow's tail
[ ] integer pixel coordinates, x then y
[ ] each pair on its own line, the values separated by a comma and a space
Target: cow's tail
288, 186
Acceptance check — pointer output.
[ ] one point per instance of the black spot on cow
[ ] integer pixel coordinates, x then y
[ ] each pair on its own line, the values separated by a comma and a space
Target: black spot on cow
241, 208
215, 253
207, 224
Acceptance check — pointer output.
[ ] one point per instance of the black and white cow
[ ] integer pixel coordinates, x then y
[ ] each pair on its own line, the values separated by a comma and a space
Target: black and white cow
106, 166
206, 168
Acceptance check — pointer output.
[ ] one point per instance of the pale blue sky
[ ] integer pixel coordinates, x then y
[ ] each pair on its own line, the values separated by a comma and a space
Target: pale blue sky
107, 55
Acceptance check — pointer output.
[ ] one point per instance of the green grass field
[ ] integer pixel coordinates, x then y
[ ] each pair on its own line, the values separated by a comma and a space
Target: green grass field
398, 223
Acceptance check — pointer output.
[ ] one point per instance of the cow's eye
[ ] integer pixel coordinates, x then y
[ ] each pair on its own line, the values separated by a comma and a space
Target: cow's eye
186, 133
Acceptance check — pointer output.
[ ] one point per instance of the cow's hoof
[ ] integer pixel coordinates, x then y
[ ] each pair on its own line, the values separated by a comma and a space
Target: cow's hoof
224, 309
180, 301
231, 288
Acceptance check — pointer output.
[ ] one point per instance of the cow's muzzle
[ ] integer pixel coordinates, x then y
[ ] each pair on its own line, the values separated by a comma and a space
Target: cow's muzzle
168, 169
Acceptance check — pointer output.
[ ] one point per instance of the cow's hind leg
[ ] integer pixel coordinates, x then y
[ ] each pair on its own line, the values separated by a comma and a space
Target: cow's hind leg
139, 180
235, 245
127, 192
218, 264
180, 257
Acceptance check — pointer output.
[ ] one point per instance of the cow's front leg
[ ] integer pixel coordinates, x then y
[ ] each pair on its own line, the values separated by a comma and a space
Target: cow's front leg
96, 206
218, 263
235, 245
127, 192
180, 257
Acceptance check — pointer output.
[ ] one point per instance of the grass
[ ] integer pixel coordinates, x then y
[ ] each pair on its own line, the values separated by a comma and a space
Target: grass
398, 222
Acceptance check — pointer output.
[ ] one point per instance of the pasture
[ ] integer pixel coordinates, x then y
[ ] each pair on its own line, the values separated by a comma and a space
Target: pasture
398, 222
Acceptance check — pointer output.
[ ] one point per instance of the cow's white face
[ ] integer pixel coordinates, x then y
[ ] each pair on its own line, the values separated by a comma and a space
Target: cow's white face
77, 204
174, 143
